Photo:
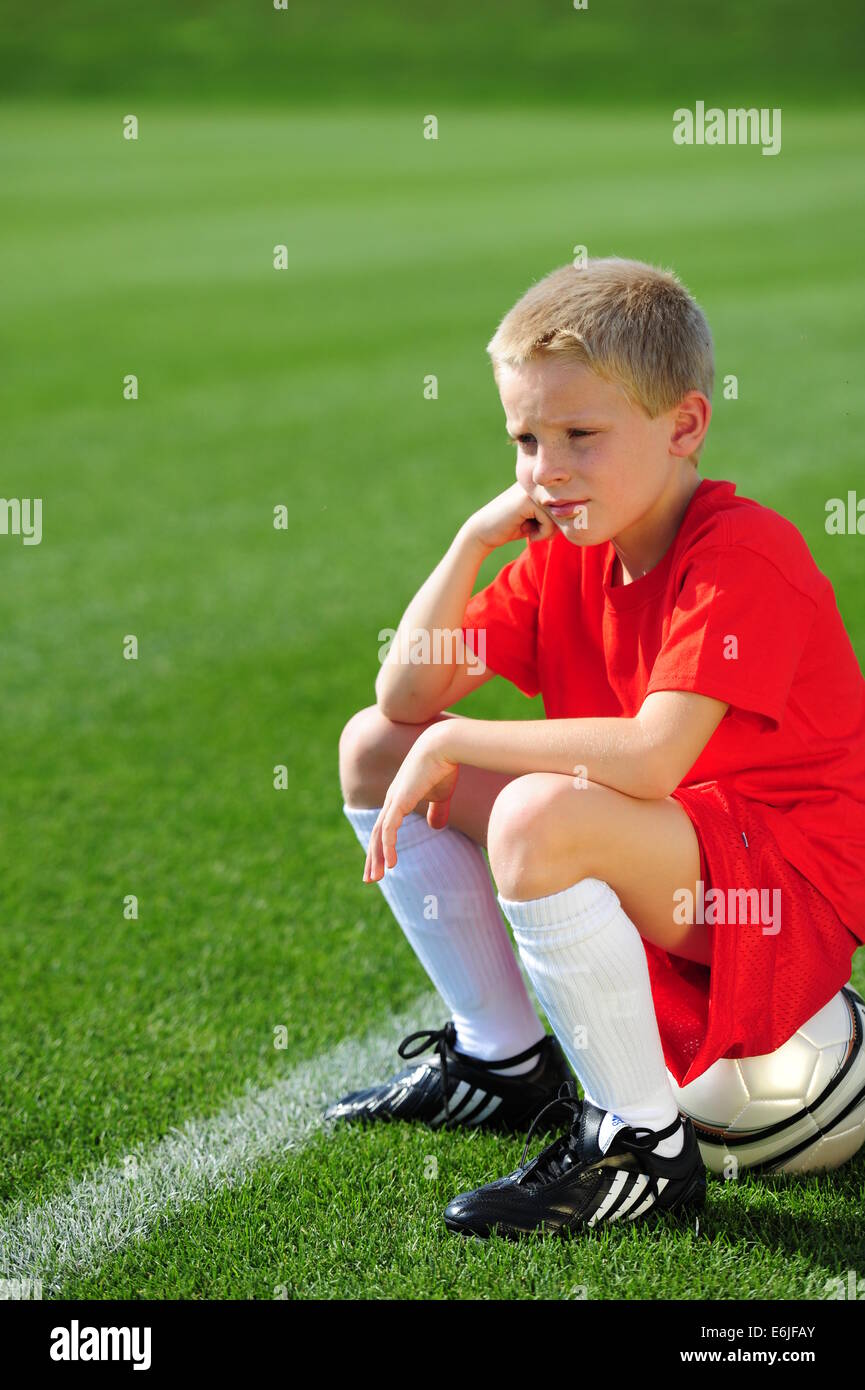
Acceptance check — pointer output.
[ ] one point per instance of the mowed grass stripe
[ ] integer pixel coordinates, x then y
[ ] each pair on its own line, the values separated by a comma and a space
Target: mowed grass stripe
106, 1209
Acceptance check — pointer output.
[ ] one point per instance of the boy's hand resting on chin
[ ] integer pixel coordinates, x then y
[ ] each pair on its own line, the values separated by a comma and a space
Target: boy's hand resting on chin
425, 775
509, 517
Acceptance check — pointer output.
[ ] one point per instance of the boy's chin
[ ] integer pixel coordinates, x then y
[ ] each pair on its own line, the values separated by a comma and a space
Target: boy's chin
580, 535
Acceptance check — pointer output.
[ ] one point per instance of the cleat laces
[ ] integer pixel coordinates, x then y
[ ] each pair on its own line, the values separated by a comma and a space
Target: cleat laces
440, 1039
564, 1153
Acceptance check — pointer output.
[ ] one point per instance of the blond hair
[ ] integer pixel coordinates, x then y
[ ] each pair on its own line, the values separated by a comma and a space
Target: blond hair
629, 322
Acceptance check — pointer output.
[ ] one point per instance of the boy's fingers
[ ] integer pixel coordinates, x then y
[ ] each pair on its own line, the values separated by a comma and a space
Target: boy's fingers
438, 813
367, 868
372, 852
384, 835
546, 526
379, 850
388, 839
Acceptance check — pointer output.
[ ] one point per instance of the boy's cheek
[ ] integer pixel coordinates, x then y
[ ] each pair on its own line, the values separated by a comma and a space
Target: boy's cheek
524, 477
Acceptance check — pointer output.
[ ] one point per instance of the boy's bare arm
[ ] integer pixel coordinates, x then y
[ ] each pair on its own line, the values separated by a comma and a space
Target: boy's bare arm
413, 693
646, 756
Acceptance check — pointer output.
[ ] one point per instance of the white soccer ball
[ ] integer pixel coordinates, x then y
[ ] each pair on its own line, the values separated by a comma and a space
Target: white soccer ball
799, 1109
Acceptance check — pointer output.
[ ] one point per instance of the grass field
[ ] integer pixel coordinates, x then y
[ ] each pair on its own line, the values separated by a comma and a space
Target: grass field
155, 777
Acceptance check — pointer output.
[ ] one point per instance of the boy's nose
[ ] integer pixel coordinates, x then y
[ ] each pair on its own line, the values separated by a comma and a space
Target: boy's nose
548, 467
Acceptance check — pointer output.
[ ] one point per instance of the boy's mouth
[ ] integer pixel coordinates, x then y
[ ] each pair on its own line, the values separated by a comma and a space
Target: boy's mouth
564, 508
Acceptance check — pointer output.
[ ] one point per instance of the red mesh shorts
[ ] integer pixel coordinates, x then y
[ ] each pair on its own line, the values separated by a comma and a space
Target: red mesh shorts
761, 986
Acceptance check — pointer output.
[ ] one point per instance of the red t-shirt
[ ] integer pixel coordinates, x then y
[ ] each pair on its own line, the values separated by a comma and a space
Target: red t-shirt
736, 609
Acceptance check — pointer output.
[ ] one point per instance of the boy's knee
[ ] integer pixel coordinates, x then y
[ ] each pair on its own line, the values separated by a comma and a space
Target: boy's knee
361, 734
366, 751
525, 805
517, 820
538, 824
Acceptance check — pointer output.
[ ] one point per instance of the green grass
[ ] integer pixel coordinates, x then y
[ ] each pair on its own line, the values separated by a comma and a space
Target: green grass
388, 52
358, 1217
305, 388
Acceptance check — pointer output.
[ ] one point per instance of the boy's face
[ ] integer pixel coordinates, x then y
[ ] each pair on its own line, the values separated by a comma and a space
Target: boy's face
582, 441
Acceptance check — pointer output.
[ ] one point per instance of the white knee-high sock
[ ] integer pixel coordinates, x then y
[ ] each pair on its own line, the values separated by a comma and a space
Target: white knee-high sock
441, 894
588, 965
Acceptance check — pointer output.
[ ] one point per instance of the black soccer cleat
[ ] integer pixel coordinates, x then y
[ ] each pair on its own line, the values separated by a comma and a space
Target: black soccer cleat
574, 1185
455, 1088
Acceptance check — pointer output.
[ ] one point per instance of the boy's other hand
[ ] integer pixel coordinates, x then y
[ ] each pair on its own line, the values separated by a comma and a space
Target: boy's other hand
426, 774
509, 517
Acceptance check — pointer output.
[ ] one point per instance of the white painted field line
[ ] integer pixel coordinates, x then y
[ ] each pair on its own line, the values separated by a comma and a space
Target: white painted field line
109, 1207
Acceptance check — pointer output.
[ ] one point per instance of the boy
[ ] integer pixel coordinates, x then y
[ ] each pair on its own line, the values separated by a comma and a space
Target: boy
705, 728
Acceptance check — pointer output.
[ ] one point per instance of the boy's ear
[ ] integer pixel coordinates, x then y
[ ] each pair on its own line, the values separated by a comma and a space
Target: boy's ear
690, 423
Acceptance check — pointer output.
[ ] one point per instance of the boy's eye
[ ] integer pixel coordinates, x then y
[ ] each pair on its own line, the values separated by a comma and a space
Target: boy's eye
530, 438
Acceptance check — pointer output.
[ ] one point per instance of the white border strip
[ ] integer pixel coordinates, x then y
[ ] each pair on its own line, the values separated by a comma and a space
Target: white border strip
108, 1208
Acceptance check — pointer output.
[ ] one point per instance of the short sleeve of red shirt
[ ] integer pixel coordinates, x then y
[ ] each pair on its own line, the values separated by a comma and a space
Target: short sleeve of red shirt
506, 611
737, 632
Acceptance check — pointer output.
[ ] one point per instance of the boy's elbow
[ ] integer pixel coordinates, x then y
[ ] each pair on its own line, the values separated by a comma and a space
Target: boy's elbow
648, 788
394, 711
406, 714
660, 789
400, 709
658, 775
663, 779
386, 701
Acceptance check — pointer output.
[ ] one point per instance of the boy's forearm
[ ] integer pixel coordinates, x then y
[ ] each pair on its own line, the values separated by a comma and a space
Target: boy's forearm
617, 752
439, 604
